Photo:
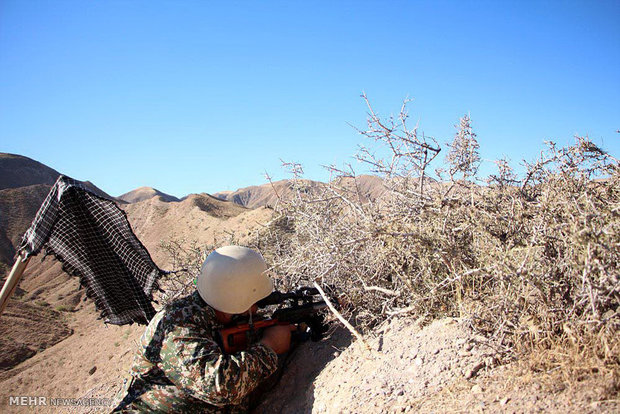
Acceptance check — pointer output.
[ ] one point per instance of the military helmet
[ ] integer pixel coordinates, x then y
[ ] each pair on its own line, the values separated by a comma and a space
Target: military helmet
233, 278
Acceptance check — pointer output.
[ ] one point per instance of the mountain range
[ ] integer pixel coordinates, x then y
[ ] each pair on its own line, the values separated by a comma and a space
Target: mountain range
24, 183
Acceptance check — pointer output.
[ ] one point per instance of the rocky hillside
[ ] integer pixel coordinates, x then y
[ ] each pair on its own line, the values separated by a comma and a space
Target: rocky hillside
18, 206
19, 171
145, 193
263, 195
416, 367
24, 184
367, 186
199, 218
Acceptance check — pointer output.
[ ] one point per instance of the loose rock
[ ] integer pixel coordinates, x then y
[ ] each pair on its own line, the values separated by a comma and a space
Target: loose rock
470, 373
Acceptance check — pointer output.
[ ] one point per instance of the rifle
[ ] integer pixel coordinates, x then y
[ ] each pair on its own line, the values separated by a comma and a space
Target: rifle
303, 310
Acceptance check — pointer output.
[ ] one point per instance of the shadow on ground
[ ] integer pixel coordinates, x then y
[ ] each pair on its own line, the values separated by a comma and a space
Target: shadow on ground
294, 392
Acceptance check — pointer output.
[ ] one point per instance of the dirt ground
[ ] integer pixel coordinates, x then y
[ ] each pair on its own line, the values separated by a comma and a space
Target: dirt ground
91, 360
408, 367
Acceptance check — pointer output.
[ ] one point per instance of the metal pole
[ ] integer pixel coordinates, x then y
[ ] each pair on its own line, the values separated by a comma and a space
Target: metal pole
11, 282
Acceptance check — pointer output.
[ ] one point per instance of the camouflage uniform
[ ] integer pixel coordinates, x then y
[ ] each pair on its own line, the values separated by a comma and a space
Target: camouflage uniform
180, 368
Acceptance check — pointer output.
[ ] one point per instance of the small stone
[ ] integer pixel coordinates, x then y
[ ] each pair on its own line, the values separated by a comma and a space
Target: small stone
476, 389
470, 373
436, 351
464, 353
461, 341
468, 346
504, 401
92, 370
400, 392
336, 354
418, 361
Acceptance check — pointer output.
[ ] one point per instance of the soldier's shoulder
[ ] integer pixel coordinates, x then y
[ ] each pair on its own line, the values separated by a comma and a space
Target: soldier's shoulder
188, 309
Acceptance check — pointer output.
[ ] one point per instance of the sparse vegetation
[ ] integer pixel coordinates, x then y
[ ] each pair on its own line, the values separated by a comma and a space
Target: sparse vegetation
185, 258
531, 262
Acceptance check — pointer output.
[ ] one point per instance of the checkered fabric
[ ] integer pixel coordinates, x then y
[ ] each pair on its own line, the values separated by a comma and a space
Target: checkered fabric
91, 236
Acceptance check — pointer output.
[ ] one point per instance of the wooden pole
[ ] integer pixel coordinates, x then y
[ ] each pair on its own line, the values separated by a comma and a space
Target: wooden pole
11, 282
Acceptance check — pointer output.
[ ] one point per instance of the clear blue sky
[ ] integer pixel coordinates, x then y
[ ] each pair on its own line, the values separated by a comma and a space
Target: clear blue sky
201, 96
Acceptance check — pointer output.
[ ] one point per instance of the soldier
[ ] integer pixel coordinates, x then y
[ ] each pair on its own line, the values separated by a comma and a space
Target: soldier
179, 367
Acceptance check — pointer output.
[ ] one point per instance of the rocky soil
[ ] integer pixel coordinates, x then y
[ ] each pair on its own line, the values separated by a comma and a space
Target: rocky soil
407, 367
439, 368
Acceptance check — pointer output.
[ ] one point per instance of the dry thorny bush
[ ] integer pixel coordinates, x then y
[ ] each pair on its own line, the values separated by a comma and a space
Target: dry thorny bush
531, 262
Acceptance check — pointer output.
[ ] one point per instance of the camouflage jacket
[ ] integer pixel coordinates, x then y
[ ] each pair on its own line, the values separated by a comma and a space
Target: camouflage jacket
180, 368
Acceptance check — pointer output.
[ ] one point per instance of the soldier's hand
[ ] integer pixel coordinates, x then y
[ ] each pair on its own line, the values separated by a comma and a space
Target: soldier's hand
278, 338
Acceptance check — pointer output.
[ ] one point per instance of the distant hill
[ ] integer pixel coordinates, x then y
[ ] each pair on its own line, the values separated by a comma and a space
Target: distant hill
267, 194
92, 187
368, 187
18, 206
145, 193
24, 184
19, 171
199, 217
